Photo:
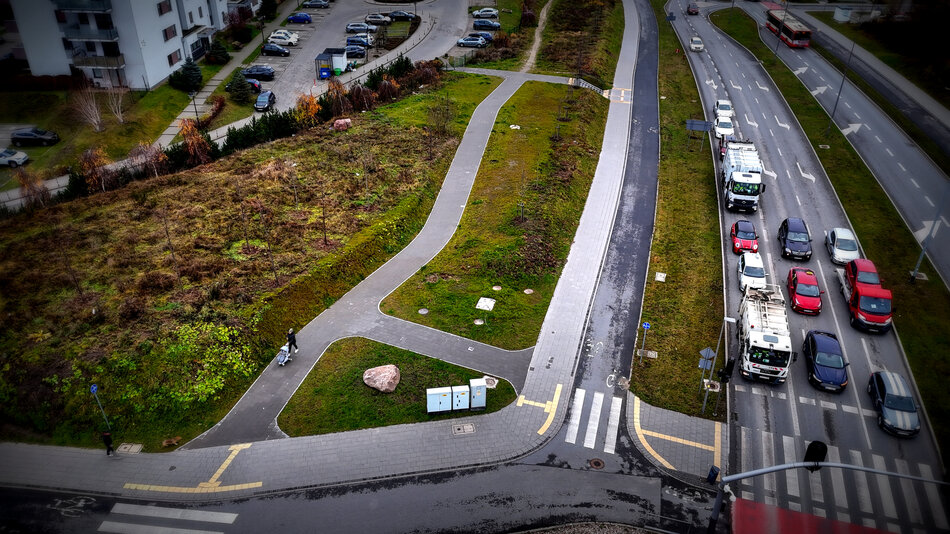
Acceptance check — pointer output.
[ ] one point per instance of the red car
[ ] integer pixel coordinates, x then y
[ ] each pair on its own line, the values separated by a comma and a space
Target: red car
744, 237
803, 292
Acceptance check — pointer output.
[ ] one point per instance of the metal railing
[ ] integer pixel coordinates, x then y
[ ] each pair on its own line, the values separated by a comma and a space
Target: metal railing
87, 6
100, 62
79, 33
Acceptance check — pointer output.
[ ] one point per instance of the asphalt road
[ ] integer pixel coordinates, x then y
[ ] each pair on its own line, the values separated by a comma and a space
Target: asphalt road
773, 424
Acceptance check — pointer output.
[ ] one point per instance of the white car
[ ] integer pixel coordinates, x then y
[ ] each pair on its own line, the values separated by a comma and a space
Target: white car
696, 44
283, 40
377, 19
724, 108
724, 127
751, 271
367, 36
485, 13
842, 246
13, 158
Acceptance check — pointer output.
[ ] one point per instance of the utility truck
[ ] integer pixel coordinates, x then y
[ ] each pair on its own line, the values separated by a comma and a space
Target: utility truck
741, 176
869, 304
765, 344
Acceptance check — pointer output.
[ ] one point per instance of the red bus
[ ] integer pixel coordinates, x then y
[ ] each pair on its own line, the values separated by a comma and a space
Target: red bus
794, 33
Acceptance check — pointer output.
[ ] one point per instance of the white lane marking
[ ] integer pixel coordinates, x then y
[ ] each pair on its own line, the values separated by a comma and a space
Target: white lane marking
806, 400
801, 70
174, 513
798, 200
901, 166
757, 84
129, 528
858, 116
804, 174
820, 512
768, 457
746, 451
756, 100
850, 409
861, 483
593, 420
734, 86
866, 412
791, 476
910, 496
712, 84
575, 422
750, 123
829, 405
740, 388
929, 201
933, 497
780, 124
779, 151
758, 391
852, 128
847, 104
781, 395
915, 183
818, 90
764, 117
889, 153
839, 495
771, 132
613, 425
878, 139
884, 487
814, 480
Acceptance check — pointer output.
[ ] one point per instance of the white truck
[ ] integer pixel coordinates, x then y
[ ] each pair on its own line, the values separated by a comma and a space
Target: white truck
765, 344
741, 176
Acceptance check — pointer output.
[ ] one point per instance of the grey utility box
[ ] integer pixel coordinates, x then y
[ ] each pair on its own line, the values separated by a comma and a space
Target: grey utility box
478, 389
460, 397
438, 400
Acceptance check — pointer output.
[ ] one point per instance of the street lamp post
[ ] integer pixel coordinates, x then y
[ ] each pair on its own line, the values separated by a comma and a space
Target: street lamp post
781, 26
844, 76
722, 331
194, 105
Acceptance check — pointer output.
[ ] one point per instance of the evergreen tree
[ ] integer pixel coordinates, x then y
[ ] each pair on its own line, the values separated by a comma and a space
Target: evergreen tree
192, 75
217, 55
239, 88
268, 9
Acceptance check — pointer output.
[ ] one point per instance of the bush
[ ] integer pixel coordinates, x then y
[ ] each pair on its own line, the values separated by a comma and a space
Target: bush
217, 55
261, 129
187, 78
217, 106
239, 90
268, 9
243, 34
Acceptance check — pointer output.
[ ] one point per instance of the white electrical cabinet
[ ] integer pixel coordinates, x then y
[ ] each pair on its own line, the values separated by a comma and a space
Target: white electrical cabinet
460, 397
438, 399
478, 389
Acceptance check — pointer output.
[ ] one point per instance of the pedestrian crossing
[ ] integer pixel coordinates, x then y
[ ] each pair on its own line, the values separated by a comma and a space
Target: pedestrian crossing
874, 500
138, 519
592, 416
809, 401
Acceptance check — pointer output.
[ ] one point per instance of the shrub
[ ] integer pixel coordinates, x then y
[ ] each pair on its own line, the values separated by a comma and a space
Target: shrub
187, 78
217, 106
239, 89
217, 55
268, 9
243, 33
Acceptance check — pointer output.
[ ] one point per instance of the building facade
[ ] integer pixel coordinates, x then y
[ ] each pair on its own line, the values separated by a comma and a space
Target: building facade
127, 43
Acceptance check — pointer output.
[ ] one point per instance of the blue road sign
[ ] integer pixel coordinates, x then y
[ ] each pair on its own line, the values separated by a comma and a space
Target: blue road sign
94, 388
705, 364
646, 326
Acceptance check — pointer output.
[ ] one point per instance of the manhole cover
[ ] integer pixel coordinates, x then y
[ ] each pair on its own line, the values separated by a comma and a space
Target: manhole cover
596, 463
423, 311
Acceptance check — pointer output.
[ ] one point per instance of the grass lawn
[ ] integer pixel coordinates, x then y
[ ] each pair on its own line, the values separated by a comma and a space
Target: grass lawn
685, 311
333, 398
922, 316
493, 246
592, 48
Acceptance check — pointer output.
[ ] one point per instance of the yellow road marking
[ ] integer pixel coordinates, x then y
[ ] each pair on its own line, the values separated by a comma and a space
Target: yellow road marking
550, 407
212, 485
717, 455
682, 441
643, 440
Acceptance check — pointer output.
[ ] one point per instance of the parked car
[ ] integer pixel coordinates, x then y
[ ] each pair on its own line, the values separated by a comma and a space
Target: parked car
482, 24
259, 72
300, 18
474, 42
484, 35
255, 85
824, 360
33, 136
744, 237
271, 49
751, 271
265, 101
13, 158
485, 13
696, 44
282, 39
724, 127
724, 108
359, 40
842, 246
402, 15
378, 19
692, 9
285, 33
360, 27
897, 411
794, 238
319, 4
355, 51
804, 295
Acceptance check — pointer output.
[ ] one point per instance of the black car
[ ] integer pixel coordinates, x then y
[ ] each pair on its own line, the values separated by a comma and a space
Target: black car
355, 51
692, 9
33, 136
271, 49
265, 101
827, 369
259, 72
255, 85
401, 15
794, 238
897, 411
484, 24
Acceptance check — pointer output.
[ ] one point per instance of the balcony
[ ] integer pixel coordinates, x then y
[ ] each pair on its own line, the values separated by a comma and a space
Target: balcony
100, 62
85, 33
84, 6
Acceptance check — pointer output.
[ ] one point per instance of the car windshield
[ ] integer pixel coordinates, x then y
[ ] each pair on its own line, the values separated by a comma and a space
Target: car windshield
755, 272
798, 237
846, 244
829, 360
763, 356
895, 402
741, 188
875, 305
262, 99
725, 124
868, 277
7, 153
744, 234
725, 107
807, 290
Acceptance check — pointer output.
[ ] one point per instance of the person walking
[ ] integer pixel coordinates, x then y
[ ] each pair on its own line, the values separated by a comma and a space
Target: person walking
107, 439
292, 341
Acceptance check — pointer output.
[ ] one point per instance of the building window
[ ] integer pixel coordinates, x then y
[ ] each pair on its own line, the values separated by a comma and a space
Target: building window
169, 32
174, 58
90, 46
165, 6
191, 17
201, 14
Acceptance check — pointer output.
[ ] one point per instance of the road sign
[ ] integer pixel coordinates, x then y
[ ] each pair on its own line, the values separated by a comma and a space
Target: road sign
94, 389
705, 364
646, 326
707, 353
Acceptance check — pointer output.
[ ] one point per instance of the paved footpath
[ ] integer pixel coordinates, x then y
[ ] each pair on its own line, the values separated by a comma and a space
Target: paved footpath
239, 458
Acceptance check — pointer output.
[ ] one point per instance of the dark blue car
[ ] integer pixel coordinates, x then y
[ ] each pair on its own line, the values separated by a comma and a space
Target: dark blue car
300, 18
483, 24
355, 51
827, 369
484, 35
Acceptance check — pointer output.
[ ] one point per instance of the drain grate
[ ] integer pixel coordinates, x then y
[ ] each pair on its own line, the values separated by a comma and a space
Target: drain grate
596, 463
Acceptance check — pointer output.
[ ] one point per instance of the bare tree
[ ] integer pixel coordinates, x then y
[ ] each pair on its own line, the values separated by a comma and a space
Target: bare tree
93, 163
85, 104
115, 98
35, 192
62, 242
149, 156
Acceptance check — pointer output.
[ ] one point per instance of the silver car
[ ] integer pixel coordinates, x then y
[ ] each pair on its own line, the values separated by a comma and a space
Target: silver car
842, 246
13, 158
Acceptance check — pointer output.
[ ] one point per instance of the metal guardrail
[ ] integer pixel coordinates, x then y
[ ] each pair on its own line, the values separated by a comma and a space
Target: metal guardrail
100, 62
84, 5
76, 33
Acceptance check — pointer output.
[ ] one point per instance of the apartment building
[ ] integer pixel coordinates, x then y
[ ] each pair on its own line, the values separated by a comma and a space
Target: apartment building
128, 43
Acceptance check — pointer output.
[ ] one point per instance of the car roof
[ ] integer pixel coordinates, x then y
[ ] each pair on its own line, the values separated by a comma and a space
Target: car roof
745, 225
825, 341
865, 265
796, 224
894, 383
723, 101
753, 258
804, 273
843, 233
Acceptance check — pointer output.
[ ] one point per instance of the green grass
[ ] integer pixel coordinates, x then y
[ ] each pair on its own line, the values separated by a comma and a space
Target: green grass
333, 398
922, 315
492, 245
598, 42
685, 311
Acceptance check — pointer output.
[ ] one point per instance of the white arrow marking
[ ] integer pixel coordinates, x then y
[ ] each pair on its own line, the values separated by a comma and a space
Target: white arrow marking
750, 123
769, 173
712, 84
804, 174
734, 86
929, 226
766, 89
852, 128
799, 72
818, 90
780, 123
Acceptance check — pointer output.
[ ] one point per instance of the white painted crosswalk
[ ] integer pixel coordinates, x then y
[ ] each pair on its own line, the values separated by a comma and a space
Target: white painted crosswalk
139, 519
593, 415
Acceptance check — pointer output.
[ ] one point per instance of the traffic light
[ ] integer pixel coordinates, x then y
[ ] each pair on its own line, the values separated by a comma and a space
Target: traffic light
816, 452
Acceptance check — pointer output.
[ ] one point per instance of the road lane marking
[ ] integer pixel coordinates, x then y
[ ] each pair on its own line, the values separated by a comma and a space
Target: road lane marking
798, 200
575, 423
915, 183
768, 458
884, 487
746, 450
814, 481
861, 483
550, 407
779, 151
173, 513
129, 528
613, 425
910, 496
850, 409
641, 434
878, 139
837, 479
929, 201
937, 512
791, 475
889, 153
829, 405
806, 400
847, 104
901, 166
593, 420
213, 485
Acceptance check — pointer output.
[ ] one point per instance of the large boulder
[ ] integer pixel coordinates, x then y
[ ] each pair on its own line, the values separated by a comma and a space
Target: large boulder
384, 378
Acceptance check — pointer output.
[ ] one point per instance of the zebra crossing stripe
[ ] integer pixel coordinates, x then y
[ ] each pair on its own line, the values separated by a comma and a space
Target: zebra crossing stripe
746, 454
594, 420
173, 513
884, 487
910, 496
132, 528
613, 425
837, 481
768, 457
791, 476
861, 483
939, 517
575, 423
